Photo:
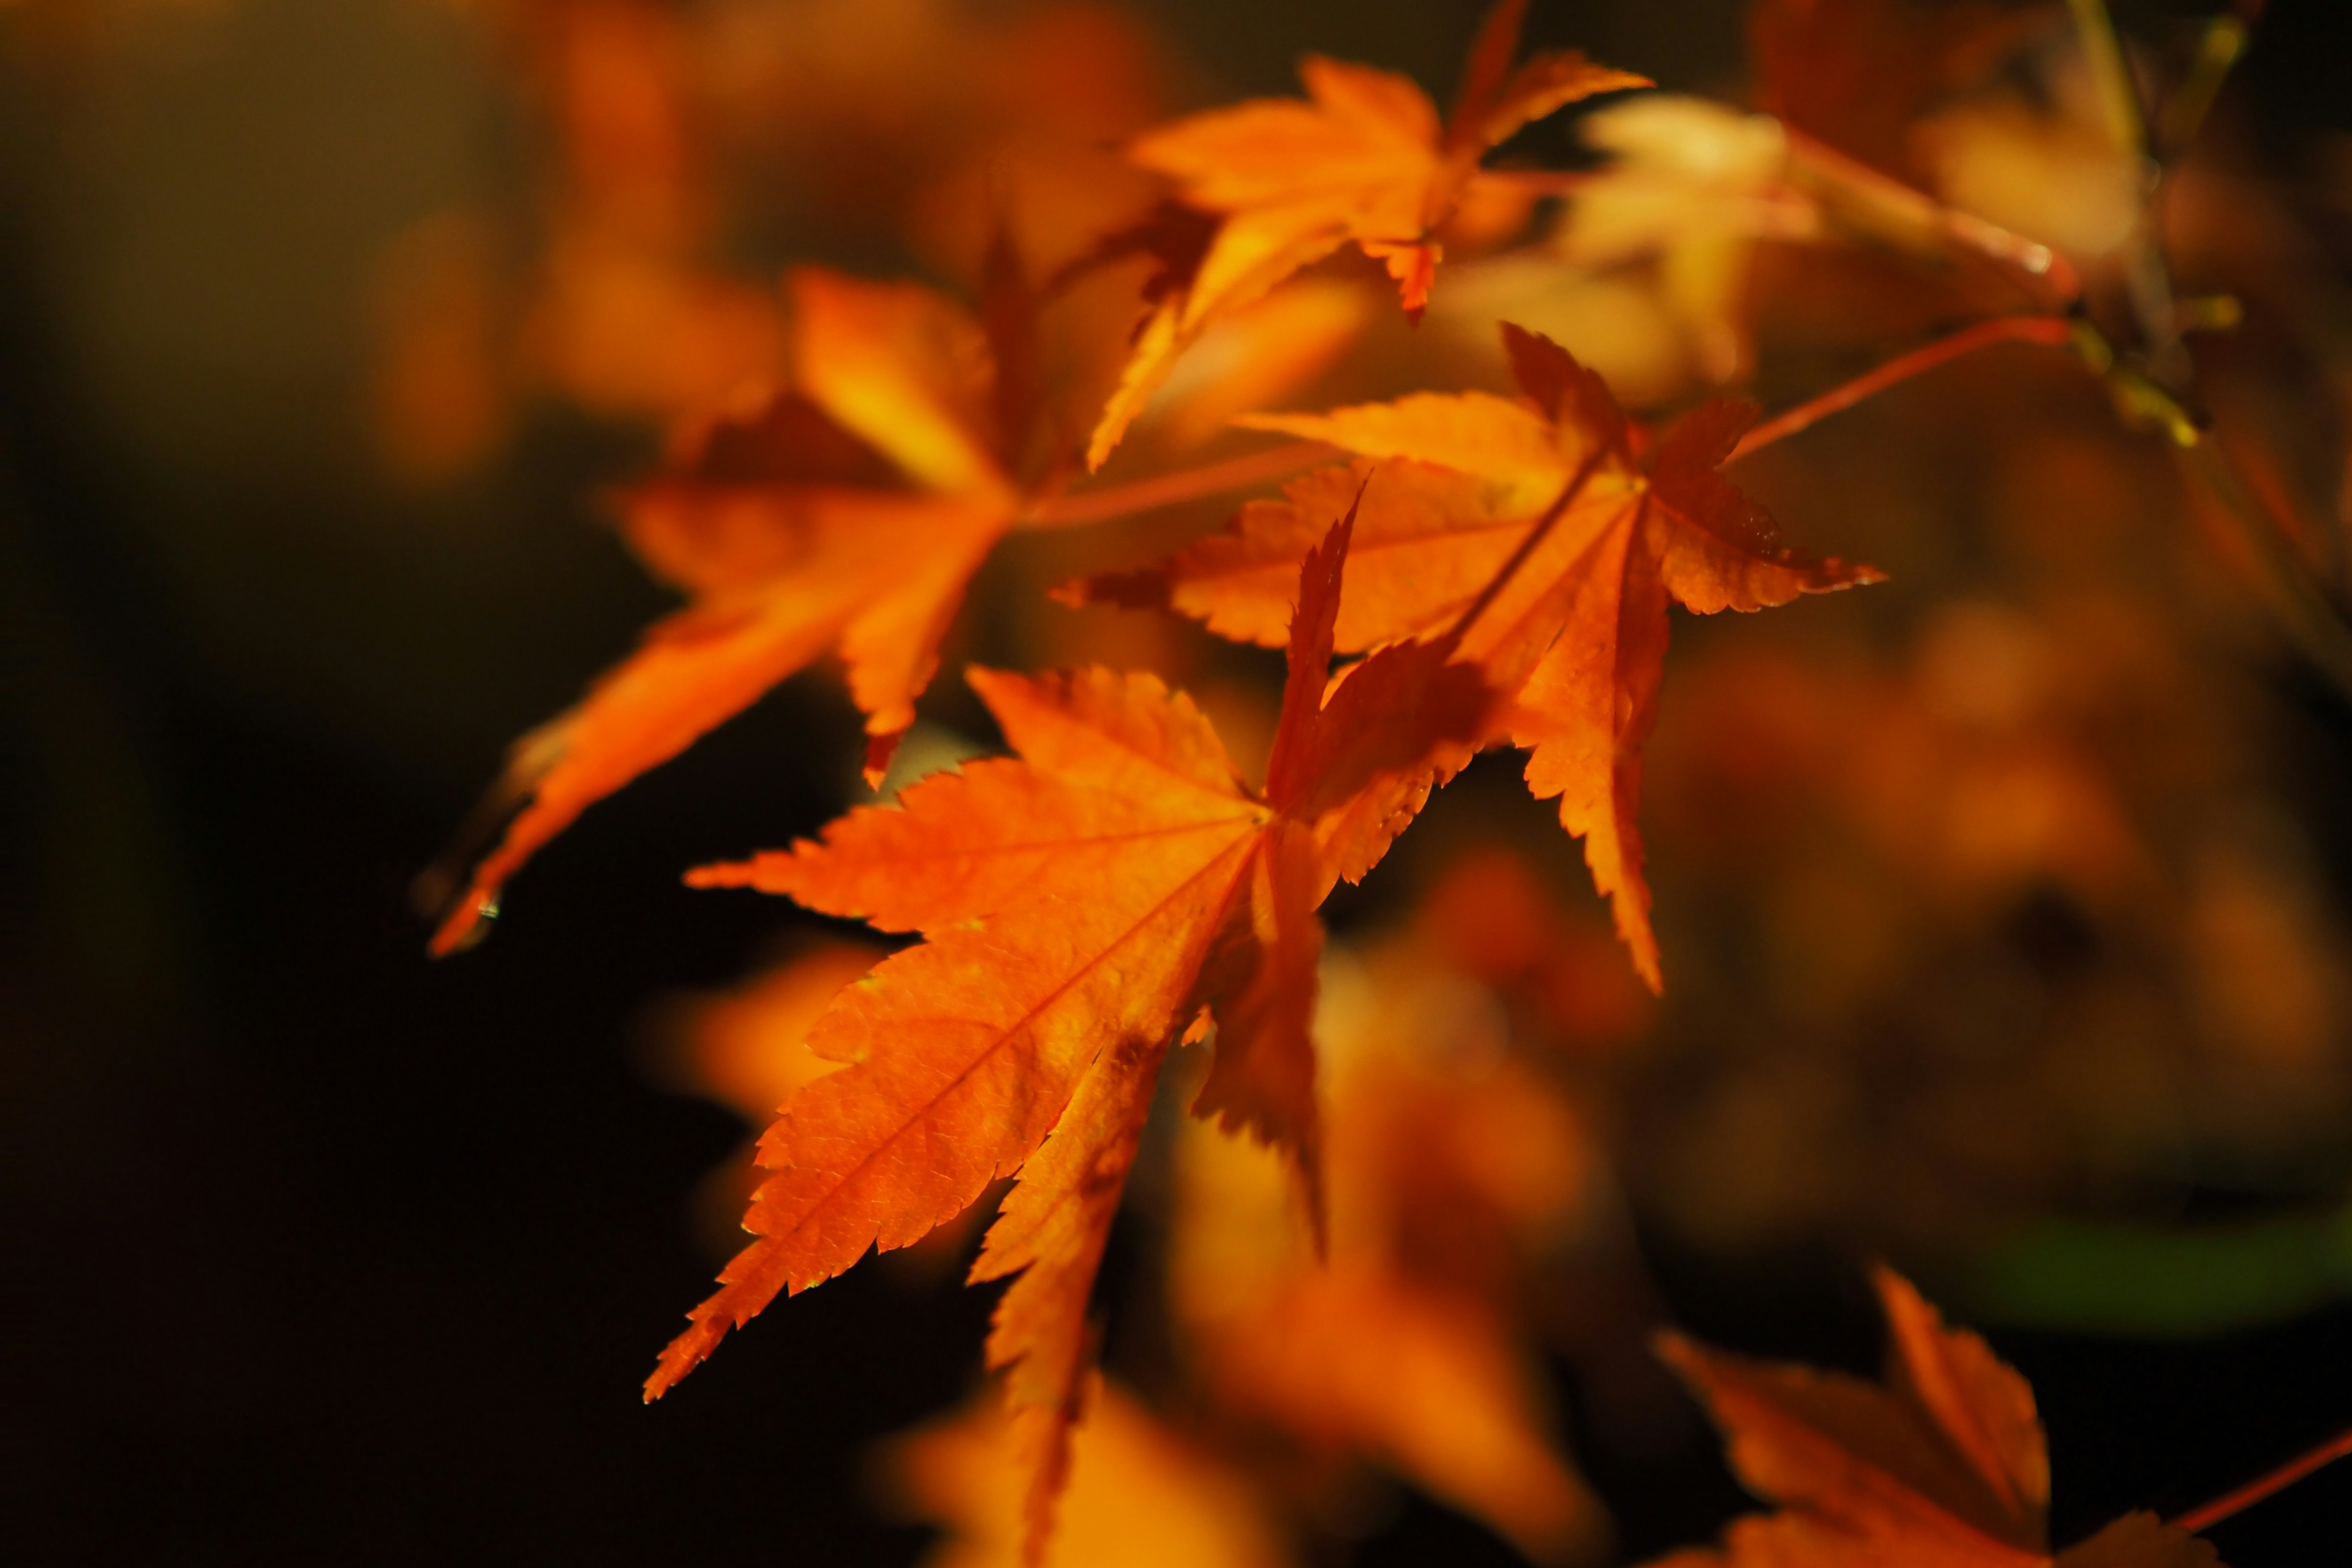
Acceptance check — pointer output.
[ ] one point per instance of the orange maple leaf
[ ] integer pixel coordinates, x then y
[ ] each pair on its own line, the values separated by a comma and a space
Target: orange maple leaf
1942, 1464
1451, 1170
1080, 904
1141, 1494
846, 514
1550, 525
1266, 187
1429, 1382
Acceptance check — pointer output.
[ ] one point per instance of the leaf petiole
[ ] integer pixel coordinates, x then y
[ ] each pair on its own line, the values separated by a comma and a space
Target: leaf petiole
2197, 1521
1175, 488
2054, 331
2042, 271
2224, 42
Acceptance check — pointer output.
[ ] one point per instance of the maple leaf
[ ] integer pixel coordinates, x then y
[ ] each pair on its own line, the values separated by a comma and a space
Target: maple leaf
1397, 1344
1551, 533
1698, 188
1428, 1382
1080, 903
746, 1047
1140, 1495
1943, 1463
845, 515
1266, 187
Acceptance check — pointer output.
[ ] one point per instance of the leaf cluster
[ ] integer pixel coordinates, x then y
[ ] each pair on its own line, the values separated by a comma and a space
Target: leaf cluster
1488, 569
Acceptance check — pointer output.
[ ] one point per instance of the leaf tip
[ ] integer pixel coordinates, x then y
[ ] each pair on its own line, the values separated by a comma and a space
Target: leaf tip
467, 926
1633, 928
879, 750
1678, 1351
681, 1356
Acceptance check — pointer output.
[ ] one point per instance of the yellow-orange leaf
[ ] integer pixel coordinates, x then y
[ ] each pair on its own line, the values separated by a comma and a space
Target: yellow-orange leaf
1139, 1496
1080, 904
845, 515
1364, 158
1428, 1384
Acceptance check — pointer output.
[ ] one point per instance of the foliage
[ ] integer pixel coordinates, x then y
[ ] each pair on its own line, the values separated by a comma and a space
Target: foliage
846, 458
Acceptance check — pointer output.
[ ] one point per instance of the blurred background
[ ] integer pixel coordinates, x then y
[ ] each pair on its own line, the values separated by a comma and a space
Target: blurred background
2007, 907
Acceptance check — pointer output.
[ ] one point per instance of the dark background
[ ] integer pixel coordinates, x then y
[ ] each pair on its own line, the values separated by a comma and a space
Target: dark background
320, 1251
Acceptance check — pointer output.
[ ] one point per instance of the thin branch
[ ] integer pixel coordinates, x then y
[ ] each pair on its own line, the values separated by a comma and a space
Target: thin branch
2197, 1521
2162, 390
1176, 488
2054, 331
2252, 543
2183, 116
2296, 601
2146, 276
2118, 98
2042, 271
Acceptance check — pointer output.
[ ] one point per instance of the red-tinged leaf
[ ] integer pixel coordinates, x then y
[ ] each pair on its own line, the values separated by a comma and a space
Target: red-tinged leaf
1533, 533
1985, 1408
1941, 1464
1495, 101
1262, 1080
1396, 726
1352, 762
1307, 661
2141, 1541
1263, 1076
1485, 71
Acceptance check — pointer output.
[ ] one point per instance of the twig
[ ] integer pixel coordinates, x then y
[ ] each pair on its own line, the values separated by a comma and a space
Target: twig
2279, 577
2042, 271
1175, 488
2119, 98
2197, 1521
2055, 332
2217, 52
2162, 389
2145, 276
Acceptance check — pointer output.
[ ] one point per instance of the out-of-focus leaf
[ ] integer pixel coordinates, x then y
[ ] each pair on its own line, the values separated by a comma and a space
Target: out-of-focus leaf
1139, 1496
1942, 1463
